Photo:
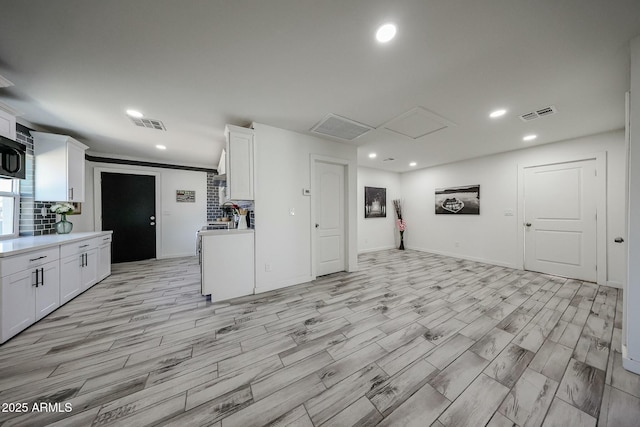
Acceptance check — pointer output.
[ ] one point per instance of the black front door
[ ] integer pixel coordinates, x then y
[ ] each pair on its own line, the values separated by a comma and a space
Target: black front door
129, 209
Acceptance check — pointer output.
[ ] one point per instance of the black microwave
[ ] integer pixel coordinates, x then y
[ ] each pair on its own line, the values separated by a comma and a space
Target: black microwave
12, 158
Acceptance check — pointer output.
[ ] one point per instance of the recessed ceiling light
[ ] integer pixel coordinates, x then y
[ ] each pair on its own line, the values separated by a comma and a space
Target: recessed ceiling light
373, 155
412, 164
529, 137
497, 113
135, 113
161, 147
386, 33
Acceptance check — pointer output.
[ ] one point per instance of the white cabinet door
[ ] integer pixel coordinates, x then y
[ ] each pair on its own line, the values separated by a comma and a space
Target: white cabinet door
59, 175
89, 269
18, 301
48, 290
104, 261
70, 278
75, 173
239, 161
7, 125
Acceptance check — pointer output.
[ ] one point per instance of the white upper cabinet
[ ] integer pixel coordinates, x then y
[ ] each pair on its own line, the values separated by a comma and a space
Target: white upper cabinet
239, 163
59, 168
7, 125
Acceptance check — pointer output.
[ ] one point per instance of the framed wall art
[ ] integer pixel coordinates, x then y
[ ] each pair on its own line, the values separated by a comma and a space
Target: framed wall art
458, 200
375, 202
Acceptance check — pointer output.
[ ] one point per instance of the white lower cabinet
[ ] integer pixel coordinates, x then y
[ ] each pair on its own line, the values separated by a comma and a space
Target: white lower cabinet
104, 257
37, 282
48, 290
70, 283
30, 293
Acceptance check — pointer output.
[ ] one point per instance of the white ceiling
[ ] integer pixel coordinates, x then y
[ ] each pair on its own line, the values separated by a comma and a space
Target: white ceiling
198, 64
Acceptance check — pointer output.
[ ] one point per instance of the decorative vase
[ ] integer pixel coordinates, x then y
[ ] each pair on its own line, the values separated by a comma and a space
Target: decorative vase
242, 222
401, 241
63, 226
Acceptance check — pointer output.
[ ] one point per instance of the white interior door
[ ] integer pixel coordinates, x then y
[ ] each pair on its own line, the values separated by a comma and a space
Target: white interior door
560, 219
330, 238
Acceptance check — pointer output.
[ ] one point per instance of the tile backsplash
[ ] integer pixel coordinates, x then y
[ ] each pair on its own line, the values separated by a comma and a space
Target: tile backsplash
214, 206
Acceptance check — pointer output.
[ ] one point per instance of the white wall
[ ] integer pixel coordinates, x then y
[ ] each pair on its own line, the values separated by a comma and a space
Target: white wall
177, 222
631, 336
282, 171
492, 237
376, 234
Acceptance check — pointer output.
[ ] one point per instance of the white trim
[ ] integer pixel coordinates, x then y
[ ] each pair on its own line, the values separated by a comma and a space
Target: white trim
601, 208
350, 211
382, 248
614, 284
97, 197
461, 256
629, 364
284, 284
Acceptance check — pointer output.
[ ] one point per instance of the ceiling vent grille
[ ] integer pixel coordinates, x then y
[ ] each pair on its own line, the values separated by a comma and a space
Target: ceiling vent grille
341, 128
148, 123
4, 82
532, 115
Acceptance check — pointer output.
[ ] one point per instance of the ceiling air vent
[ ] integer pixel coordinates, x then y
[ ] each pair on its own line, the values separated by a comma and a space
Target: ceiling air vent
341, 128
4, 82
148, 123
532, 115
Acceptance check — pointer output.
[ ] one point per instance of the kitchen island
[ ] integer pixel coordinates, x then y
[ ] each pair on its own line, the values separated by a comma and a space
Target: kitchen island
227, 263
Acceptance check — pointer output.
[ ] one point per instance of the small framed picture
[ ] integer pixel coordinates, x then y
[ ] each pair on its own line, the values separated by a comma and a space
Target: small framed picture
77, 208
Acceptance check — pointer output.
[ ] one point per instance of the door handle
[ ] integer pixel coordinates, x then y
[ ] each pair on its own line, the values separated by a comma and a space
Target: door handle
152, 217
152, 223
528, 224
618, 240
317, 225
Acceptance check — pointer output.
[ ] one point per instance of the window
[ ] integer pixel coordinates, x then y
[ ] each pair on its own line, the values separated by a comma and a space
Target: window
9, 207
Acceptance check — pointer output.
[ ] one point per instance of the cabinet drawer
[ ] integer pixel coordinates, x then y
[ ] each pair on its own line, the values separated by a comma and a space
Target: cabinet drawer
102, 240
27, 261
77, 247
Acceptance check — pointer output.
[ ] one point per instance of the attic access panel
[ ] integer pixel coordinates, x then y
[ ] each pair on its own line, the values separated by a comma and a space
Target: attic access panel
416, 123
340, 127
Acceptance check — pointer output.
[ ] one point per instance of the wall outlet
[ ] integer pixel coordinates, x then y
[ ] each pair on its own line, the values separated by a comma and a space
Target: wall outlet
292, 211
508, 212
456, 244
267, 268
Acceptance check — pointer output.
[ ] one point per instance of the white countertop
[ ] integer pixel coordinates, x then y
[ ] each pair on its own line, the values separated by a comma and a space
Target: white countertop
29, 243
225, 231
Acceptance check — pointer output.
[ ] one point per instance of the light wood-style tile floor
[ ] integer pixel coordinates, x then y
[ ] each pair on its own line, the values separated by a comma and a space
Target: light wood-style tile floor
413, 339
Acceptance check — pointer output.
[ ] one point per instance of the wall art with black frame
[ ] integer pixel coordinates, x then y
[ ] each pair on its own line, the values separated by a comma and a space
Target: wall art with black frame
458, 200
375, 202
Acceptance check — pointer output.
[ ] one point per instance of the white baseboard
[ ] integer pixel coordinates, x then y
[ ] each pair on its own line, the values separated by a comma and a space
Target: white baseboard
383, 248
614, 284
169, 256
283, 284
469, 258
629, 364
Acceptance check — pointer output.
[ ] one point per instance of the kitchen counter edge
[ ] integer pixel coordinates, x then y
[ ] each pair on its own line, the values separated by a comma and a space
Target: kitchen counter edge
24, 244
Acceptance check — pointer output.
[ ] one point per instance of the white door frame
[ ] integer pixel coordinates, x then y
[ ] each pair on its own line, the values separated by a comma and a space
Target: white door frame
350, 211
97, 198
601, 208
